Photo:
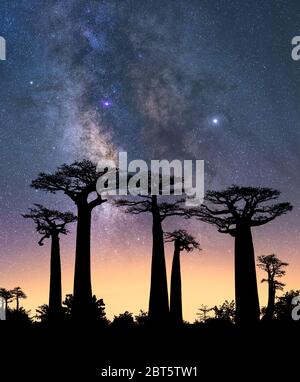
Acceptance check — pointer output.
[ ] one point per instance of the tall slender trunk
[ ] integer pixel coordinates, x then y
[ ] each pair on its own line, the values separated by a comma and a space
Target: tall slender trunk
17, 301
246, 293
271, 300
55, 279
176, 295
158, 302
82, 302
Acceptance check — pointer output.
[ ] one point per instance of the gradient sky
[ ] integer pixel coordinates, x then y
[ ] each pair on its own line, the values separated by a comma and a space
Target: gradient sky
184, 79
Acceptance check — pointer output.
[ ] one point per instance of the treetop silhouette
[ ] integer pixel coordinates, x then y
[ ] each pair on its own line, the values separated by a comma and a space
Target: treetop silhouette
49, 222
185, 241
243, 205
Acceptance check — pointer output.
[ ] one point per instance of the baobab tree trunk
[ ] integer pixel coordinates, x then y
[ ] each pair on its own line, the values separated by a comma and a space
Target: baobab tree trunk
158, 303
176, 296
82, 291
55, 280
271, 300
246, 293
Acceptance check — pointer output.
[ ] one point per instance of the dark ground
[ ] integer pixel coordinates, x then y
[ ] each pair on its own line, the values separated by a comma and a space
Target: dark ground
219, 352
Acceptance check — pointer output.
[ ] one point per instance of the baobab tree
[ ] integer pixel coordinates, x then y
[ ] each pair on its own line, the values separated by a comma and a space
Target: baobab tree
182, 242
18, 294
273, 266
236, 211
78, 181
158, 301
50, 224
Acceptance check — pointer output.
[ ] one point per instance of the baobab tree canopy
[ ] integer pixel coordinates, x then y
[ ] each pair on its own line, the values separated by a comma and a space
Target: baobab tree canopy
185, 241
76, 180
49, 221
253, 206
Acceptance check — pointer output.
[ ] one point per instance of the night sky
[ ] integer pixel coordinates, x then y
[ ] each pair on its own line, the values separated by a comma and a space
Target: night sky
202, 79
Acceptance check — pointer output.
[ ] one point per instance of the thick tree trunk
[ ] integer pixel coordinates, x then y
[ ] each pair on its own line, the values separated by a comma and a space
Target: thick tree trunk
246, 293
158, 303
271, 300
55, 280
82, 302
17, 301
176, 295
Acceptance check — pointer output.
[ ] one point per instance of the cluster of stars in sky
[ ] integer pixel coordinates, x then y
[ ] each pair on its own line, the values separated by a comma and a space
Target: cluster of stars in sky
158, 79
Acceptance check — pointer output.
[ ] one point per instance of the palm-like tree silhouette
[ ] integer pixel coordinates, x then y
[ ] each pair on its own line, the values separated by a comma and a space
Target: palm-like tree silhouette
50, 224
78, 181
235, 211
273, 266
158, 301
18, 294
182, 242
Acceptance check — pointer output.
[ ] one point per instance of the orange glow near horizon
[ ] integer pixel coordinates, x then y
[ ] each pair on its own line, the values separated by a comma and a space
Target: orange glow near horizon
123, 281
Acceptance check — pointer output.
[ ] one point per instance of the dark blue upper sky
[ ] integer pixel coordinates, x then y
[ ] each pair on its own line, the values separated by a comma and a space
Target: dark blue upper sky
210, 80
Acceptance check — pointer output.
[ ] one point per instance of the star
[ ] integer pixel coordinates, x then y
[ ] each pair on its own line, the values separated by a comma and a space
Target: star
215, 121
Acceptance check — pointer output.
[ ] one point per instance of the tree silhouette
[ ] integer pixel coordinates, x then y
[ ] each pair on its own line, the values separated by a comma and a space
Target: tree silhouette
158, 301
204, 310
182, 242
50, 224
284, 305
18, 294
235, 211
226, 311
78, 181
7, 297
274, 269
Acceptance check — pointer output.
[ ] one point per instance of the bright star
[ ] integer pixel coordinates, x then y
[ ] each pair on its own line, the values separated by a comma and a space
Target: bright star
215, 121
106, 103
31, 82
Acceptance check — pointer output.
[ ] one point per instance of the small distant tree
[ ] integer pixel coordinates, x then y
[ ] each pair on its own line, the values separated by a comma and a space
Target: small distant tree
226, 311
18, 294
20, 315
142, 318
42, 313
204, 313
123, 321
182, 242
274, 268
97, 313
